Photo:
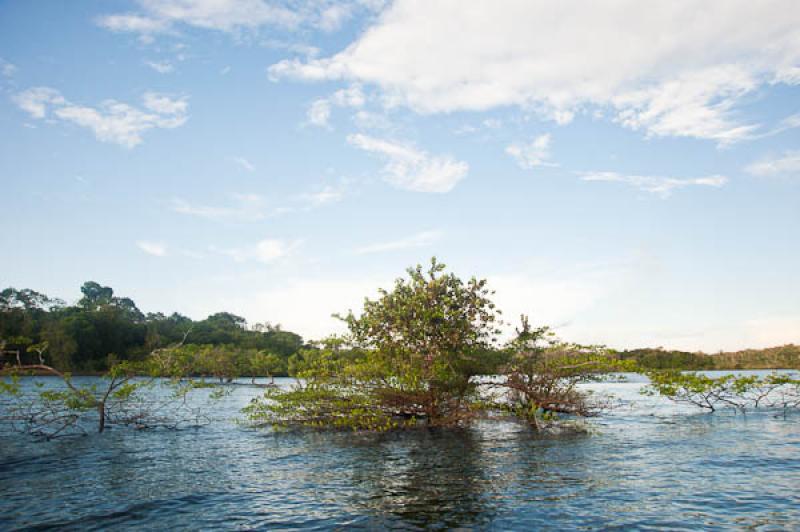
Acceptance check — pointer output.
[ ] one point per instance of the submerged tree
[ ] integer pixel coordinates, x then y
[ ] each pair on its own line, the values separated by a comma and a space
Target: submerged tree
543, 373
143, 394
409, 357
737, 392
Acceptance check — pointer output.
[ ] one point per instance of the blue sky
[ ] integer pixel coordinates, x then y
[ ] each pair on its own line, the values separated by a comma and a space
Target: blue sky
627, 173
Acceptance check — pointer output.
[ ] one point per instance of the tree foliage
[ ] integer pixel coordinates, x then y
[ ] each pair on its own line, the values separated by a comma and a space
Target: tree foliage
409, 357
142, 394
542, 376
80, 337
738, 392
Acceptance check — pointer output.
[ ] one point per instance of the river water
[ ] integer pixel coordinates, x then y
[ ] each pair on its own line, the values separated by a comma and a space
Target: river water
647, 464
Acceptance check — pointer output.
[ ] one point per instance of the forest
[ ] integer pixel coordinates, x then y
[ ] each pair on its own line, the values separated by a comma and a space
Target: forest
89, 336
102, 328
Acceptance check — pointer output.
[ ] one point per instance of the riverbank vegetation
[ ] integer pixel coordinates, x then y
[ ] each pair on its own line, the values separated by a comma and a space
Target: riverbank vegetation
90, 336
101, 329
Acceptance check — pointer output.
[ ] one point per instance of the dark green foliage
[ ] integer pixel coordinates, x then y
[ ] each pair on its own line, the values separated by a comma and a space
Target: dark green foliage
662, 359
782, 357
81, 337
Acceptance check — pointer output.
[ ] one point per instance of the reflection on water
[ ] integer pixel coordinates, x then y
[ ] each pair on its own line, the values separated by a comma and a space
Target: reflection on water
424, 478
648, 464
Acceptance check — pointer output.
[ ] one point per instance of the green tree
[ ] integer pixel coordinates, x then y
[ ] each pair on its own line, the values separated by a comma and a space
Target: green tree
421, 342
543, 373
261, 363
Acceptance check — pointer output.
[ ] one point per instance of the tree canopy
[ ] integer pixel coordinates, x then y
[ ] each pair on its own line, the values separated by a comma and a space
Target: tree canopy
102, 327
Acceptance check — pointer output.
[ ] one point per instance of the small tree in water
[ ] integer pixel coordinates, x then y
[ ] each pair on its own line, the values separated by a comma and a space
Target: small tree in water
409, 357
737, 392
143, 394
543, 373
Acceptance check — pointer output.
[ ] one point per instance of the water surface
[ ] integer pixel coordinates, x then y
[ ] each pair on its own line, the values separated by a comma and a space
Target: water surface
648, 464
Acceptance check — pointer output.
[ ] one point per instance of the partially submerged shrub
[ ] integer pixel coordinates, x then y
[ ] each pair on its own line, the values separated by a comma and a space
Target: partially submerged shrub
543, 374
739, 392
145, 394
409, 358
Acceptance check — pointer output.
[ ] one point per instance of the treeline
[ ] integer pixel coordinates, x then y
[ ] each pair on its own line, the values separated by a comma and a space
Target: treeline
102, 328
783, 357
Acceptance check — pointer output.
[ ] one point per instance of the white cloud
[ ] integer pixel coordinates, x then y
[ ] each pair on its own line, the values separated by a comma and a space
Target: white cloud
556, 297
666, 69
232, 16
352, 96
7, 69
293, 47
532, 154
246, 208
158, 249
332, 18
305, 305
159, 16
369, 120
663, 186
37, 100
423, 239
162, 67
111, 121
267, 251
319, 112
410, 168
328, 194
134, 24
786, 165
264, 251
164, 104
244, 163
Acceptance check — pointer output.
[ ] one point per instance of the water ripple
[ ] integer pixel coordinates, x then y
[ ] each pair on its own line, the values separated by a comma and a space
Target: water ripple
674, 470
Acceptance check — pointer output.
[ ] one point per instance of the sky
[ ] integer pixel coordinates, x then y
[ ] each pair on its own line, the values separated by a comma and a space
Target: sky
627, 172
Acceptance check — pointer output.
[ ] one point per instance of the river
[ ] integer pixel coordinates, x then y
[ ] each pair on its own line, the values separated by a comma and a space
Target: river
646, 464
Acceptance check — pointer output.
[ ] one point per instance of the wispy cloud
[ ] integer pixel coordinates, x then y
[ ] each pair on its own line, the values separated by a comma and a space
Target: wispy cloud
244, 164
162, 67
423, 239
326, 195
264, 251
785, 165
111, 121
529, 155
319, 112
7, 69
246, 207
158, 249
231, 16
662, 186
410, 168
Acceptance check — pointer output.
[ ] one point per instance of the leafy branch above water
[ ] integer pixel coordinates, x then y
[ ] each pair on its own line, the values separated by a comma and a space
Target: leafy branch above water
145, 394
739, 392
